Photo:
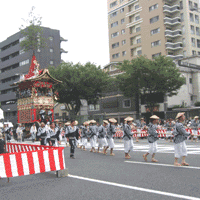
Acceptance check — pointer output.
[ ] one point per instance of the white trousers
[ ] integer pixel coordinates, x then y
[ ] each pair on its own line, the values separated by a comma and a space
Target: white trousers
180, 149
128, 145
102, 142
195, 133
93, 142
111, 143
84, 142
153, 147
78, 142
65, 140
33, 135
60, 137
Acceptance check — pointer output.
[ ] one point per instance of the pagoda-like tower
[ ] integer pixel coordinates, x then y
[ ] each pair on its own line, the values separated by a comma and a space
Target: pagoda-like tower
35, 97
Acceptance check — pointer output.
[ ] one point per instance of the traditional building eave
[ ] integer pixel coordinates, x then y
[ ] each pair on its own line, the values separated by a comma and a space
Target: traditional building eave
45, 75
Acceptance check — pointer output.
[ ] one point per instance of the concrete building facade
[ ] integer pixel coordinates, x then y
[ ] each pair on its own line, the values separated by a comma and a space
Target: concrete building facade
153, 28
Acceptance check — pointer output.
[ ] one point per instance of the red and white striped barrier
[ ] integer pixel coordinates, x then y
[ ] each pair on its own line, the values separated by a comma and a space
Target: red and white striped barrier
24, 159
142, 133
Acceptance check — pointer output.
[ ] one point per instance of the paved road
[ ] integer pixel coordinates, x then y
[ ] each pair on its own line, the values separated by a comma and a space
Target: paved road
97, 176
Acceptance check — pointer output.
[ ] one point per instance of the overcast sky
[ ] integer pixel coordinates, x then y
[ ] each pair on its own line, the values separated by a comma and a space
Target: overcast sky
82, 22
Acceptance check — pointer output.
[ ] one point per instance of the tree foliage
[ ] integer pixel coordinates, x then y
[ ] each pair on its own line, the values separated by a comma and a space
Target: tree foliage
146, 77
79, 82
32, 32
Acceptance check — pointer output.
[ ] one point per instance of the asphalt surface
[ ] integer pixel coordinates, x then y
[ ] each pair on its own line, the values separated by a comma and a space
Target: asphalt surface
109, 177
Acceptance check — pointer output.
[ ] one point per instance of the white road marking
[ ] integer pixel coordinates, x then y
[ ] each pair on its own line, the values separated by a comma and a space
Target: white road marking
135, 188
158, 164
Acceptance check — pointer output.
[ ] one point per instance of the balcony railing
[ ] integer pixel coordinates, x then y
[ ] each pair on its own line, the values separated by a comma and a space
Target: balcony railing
172, 21
133, 12
175, 56
174, 46
173, 34
134, 23
171, 9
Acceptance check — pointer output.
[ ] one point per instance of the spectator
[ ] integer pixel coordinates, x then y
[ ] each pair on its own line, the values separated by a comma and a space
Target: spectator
2, 144
19, 132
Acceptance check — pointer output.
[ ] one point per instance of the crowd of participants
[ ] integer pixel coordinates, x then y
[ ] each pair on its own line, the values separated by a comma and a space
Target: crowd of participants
102, 136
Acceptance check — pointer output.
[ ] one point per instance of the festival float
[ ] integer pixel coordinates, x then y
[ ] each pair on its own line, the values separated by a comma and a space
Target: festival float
35, 95
35, 104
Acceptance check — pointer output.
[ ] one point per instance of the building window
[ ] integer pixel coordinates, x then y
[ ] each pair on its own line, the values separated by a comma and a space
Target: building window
21, 39
24, 62
136, 7
121, 10
182, 17
198, 53
190, 79
196, 5
115, 45
192, 30
191, 17
139, 52
181, 5
155, 31
193, 42
127, 103
56, 115
198, 43
183, 40
190, 4
138, 29
21, 51
114, 56
197, 31
153, 7
94, 107
122, 21
51, 50
51, 38
123, 42
113, 14
154, 19
114, 24
97, 107
137, 18
113, 4
156, 55
51, 62
183, 29
156, 43
139, 41
194, 53
123, 31
196, 19
113, 35
123, 53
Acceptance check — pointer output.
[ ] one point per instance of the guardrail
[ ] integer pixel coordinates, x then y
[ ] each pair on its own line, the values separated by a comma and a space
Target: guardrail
24, 159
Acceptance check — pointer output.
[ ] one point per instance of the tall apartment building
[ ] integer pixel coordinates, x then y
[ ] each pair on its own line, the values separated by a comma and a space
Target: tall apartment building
153, 28
15, 62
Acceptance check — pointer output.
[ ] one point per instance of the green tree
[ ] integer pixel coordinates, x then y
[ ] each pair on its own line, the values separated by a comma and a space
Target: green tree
79, 82
145, 78
32, 32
